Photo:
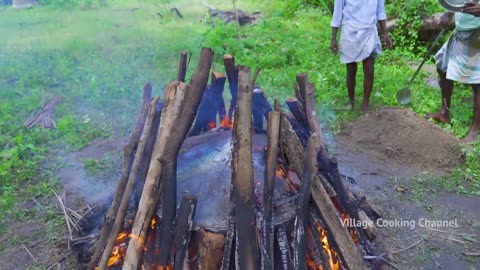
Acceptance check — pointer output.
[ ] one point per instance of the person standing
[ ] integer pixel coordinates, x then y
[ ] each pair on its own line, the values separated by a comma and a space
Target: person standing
359, 41
459, 60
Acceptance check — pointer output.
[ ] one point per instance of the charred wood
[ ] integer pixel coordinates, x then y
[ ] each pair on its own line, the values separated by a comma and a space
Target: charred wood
128, 156
232, 76
284, 246
177, 117
227, 262
242, 175
183, 228
211, 104
130, 186
293, 148
260, 110
182, 66
269, 187
301, 221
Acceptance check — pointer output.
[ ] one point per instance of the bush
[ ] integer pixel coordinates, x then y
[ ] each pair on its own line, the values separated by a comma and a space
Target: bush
72, 3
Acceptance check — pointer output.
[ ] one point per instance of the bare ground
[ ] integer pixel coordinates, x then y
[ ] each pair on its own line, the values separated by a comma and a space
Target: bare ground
384, 151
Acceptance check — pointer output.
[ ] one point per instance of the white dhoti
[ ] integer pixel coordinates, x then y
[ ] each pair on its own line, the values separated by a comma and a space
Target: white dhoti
358, 42
459, 57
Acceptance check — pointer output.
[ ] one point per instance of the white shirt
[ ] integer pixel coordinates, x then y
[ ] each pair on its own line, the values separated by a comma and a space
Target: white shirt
364, 12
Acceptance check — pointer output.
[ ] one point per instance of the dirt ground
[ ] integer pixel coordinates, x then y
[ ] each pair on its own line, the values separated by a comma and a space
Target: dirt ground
384, 152
388, 150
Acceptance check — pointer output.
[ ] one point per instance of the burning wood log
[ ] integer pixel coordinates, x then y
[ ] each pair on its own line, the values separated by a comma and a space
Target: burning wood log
328, 165
232, 75
210, 250
182, 66
292, 148
177, 117
370, 230
242, 175
229, 243
260, 109
211, 104
268, 190
283, 244
301, 221
44, 118
131, 182
128, 156
297, 110
318, 244
183, 227
147, 155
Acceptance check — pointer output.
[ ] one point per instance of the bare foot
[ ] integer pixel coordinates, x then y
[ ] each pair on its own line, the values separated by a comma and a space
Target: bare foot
365, 108
438, 116
472, 136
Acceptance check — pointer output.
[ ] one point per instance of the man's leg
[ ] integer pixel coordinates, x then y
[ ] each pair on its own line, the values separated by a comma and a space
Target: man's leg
446, 86
473, 131
351, 75
368, 73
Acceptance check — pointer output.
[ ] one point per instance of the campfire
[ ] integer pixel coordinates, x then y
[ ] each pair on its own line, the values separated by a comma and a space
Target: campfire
256, 187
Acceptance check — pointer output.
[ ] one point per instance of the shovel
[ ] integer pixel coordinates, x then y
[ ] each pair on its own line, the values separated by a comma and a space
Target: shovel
404, 94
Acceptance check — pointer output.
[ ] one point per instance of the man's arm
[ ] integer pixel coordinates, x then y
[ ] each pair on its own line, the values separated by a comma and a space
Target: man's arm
336, 23
472, 8
386, 37
334, 45
382, 20
445, 19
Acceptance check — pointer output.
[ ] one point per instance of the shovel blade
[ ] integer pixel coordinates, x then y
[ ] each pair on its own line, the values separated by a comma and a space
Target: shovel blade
404, 96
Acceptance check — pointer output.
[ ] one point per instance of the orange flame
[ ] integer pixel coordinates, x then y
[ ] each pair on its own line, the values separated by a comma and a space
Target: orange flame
334, 265
115, 256
212, 125
226, 122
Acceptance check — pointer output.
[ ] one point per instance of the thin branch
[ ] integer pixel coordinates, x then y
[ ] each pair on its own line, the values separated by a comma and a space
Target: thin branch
453, 233
29, 253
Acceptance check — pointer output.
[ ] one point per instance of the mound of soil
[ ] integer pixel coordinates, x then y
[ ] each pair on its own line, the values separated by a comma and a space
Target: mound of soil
402, 136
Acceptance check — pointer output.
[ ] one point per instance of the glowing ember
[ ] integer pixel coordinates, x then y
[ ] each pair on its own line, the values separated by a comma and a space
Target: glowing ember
282, 173
226, 122
212, 125
154, 221
115, 256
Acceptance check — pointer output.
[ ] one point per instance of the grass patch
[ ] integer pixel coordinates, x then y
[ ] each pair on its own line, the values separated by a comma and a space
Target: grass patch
283, 47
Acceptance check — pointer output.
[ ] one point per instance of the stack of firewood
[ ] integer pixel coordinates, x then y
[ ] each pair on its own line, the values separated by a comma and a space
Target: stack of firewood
254, 239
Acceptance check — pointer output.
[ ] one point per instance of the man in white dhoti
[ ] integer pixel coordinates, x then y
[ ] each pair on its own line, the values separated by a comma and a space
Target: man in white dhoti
359, 41
459, 60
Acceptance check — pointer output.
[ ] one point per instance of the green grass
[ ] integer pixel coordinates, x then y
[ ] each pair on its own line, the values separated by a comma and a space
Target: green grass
284, 47
97, 59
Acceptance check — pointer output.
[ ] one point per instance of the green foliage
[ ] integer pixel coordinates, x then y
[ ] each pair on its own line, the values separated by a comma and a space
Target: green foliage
409, 18
72, 3
284, 47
